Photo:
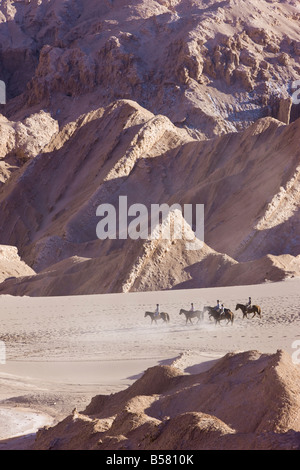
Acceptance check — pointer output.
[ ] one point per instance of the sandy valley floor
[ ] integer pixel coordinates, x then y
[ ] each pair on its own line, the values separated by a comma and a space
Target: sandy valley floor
62, 351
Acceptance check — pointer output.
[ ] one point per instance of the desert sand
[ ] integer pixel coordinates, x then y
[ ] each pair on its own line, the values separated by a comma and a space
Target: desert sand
63, 351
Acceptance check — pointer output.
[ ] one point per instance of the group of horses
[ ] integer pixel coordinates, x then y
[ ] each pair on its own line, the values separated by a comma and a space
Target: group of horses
218, 316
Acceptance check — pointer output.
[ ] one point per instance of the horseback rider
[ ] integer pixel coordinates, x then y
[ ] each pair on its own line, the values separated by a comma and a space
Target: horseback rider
192, 308
156, 313
248, 304
218, 307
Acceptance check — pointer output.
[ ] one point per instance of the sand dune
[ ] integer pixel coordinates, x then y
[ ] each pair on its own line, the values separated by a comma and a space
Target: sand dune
167, 101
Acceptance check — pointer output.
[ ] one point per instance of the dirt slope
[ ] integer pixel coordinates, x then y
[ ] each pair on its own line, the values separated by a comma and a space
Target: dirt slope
166, 409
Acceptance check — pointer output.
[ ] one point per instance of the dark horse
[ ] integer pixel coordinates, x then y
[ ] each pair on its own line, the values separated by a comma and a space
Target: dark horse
190, 314
160, 316
255, 309
218, 316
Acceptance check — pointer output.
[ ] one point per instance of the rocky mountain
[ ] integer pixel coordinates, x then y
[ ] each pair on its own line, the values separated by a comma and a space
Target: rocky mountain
164, 102
169, 409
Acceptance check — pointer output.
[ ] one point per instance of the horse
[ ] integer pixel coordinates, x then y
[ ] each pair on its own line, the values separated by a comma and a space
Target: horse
189, 314
255, 309
160, 316
227, 315
218, 316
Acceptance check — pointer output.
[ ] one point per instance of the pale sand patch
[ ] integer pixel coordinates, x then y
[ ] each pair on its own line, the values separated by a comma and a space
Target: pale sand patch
16, 422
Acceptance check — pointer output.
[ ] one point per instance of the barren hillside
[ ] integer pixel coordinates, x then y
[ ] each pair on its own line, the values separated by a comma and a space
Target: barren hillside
175, 102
